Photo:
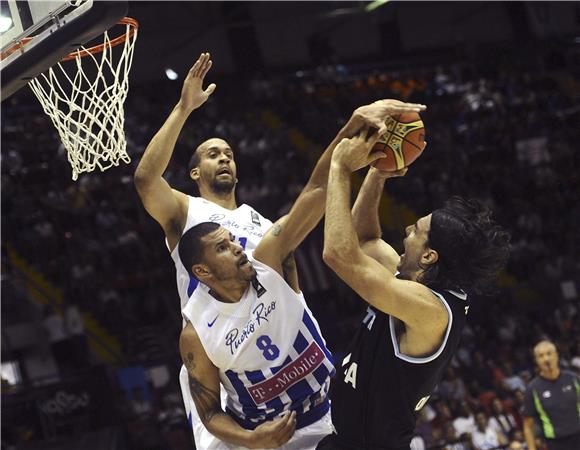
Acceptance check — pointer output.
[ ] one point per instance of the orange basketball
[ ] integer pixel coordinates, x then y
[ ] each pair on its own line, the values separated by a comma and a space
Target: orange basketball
403, 142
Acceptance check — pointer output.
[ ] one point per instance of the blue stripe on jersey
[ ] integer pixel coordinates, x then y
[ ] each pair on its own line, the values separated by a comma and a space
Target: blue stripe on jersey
243, 394
314, 332
302, 420
255, 376
193, 282
300, 344
298, 393
275, 369
322, 373
276, 405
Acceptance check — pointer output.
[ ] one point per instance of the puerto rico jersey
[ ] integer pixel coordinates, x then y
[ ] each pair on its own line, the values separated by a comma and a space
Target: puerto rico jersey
268, 348
245, 223
379, 391
248, 226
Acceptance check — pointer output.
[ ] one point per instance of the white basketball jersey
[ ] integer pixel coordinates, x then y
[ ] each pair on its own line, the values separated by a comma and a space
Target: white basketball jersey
268, 348
245, 223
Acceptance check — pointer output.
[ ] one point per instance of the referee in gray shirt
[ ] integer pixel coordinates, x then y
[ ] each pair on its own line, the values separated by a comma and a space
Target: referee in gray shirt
552, 400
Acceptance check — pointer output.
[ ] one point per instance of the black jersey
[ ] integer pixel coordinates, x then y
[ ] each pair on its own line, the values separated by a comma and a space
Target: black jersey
378, 391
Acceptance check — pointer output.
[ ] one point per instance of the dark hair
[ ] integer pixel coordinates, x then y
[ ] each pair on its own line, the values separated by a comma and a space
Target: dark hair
193, 161
190, 246
472, 248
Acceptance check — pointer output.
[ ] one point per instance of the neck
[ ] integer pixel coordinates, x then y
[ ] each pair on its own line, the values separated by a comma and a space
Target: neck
226, 200
551, 374
228, 294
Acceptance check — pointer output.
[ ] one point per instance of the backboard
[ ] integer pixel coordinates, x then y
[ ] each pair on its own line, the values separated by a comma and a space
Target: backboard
41, 33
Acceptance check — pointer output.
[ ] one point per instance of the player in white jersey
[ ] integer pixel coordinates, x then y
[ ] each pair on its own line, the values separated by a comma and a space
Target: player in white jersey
213, 168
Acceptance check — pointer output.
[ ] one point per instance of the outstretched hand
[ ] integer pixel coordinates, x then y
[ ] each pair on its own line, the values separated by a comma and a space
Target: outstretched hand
192, 94
357, 152
275, 433
374, 115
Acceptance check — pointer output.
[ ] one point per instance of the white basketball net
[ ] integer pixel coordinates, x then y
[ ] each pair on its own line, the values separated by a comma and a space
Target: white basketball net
87, 110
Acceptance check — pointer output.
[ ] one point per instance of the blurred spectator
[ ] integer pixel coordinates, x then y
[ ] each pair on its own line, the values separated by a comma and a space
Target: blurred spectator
485, 437
500, 420
465, 421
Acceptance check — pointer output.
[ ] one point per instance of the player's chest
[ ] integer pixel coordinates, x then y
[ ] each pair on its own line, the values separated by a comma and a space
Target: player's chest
242, 223
257, 337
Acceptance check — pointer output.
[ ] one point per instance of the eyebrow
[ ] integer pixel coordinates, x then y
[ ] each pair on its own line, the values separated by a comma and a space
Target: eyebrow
213, 147
220, 242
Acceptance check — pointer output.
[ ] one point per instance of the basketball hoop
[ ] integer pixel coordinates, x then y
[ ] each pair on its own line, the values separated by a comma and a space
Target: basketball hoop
87, 108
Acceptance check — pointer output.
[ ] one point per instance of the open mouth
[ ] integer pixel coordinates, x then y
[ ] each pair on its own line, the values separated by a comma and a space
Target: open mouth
243, 261
224, 171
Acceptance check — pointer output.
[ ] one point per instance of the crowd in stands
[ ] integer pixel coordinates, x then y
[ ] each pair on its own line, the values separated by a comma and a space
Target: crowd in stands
506, 134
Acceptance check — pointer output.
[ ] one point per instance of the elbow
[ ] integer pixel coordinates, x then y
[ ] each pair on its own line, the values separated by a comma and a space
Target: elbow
140, 180
332, 257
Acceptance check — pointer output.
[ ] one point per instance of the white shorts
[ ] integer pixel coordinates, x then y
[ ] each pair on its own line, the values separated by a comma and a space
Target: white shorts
306, 438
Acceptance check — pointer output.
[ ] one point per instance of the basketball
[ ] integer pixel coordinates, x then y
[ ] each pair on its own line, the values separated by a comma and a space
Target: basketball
403, 142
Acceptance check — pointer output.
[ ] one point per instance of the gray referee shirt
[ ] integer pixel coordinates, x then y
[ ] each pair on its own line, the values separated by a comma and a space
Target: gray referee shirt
555, 404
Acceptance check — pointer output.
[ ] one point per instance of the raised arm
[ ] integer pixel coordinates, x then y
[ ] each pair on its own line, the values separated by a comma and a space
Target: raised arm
288, 232
365, 215
204, 386
169, 206
409, 301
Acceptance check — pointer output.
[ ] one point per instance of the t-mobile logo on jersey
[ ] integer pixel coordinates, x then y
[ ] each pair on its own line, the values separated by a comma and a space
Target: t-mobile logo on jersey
306, 363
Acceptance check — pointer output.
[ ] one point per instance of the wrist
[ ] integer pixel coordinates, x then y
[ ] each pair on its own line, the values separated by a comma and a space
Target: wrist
252, 439
337, 166
182, 109
379, 174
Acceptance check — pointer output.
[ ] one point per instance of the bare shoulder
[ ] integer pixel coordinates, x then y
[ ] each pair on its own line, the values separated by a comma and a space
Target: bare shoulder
182, 200
189, 339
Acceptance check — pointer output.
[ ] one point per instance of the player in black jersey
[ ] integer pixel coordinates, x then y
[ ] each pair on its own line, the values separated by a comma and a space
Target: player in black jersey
414, 320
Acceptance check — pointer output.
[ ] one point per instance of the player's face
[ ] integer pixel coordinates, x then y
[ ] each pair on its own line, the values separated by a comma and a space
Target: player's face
417, 252
546, 356
225, 258
217, 168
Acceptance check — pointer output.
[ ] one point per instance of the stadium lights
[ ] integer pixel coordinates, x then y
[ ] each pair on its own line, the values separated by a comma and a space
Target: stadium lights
371, 6
171, 74
5, 23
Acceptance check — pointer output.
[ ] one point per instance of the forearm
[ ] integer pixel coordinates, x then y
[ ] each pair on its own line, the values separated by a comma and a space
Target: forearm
366, 207
340, 239
319, 177
227, 429
529, 437
156, 157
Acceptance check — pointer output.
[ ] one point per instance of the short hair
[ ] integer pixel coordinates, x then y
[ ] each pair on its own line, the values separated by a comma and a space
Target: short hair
190, 245
195, 158
472, 248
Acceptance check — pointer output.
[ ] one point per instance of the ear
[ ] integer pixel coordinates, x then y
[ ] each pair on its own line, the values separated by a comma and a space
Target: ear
200, 271
429, 257
194, 173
